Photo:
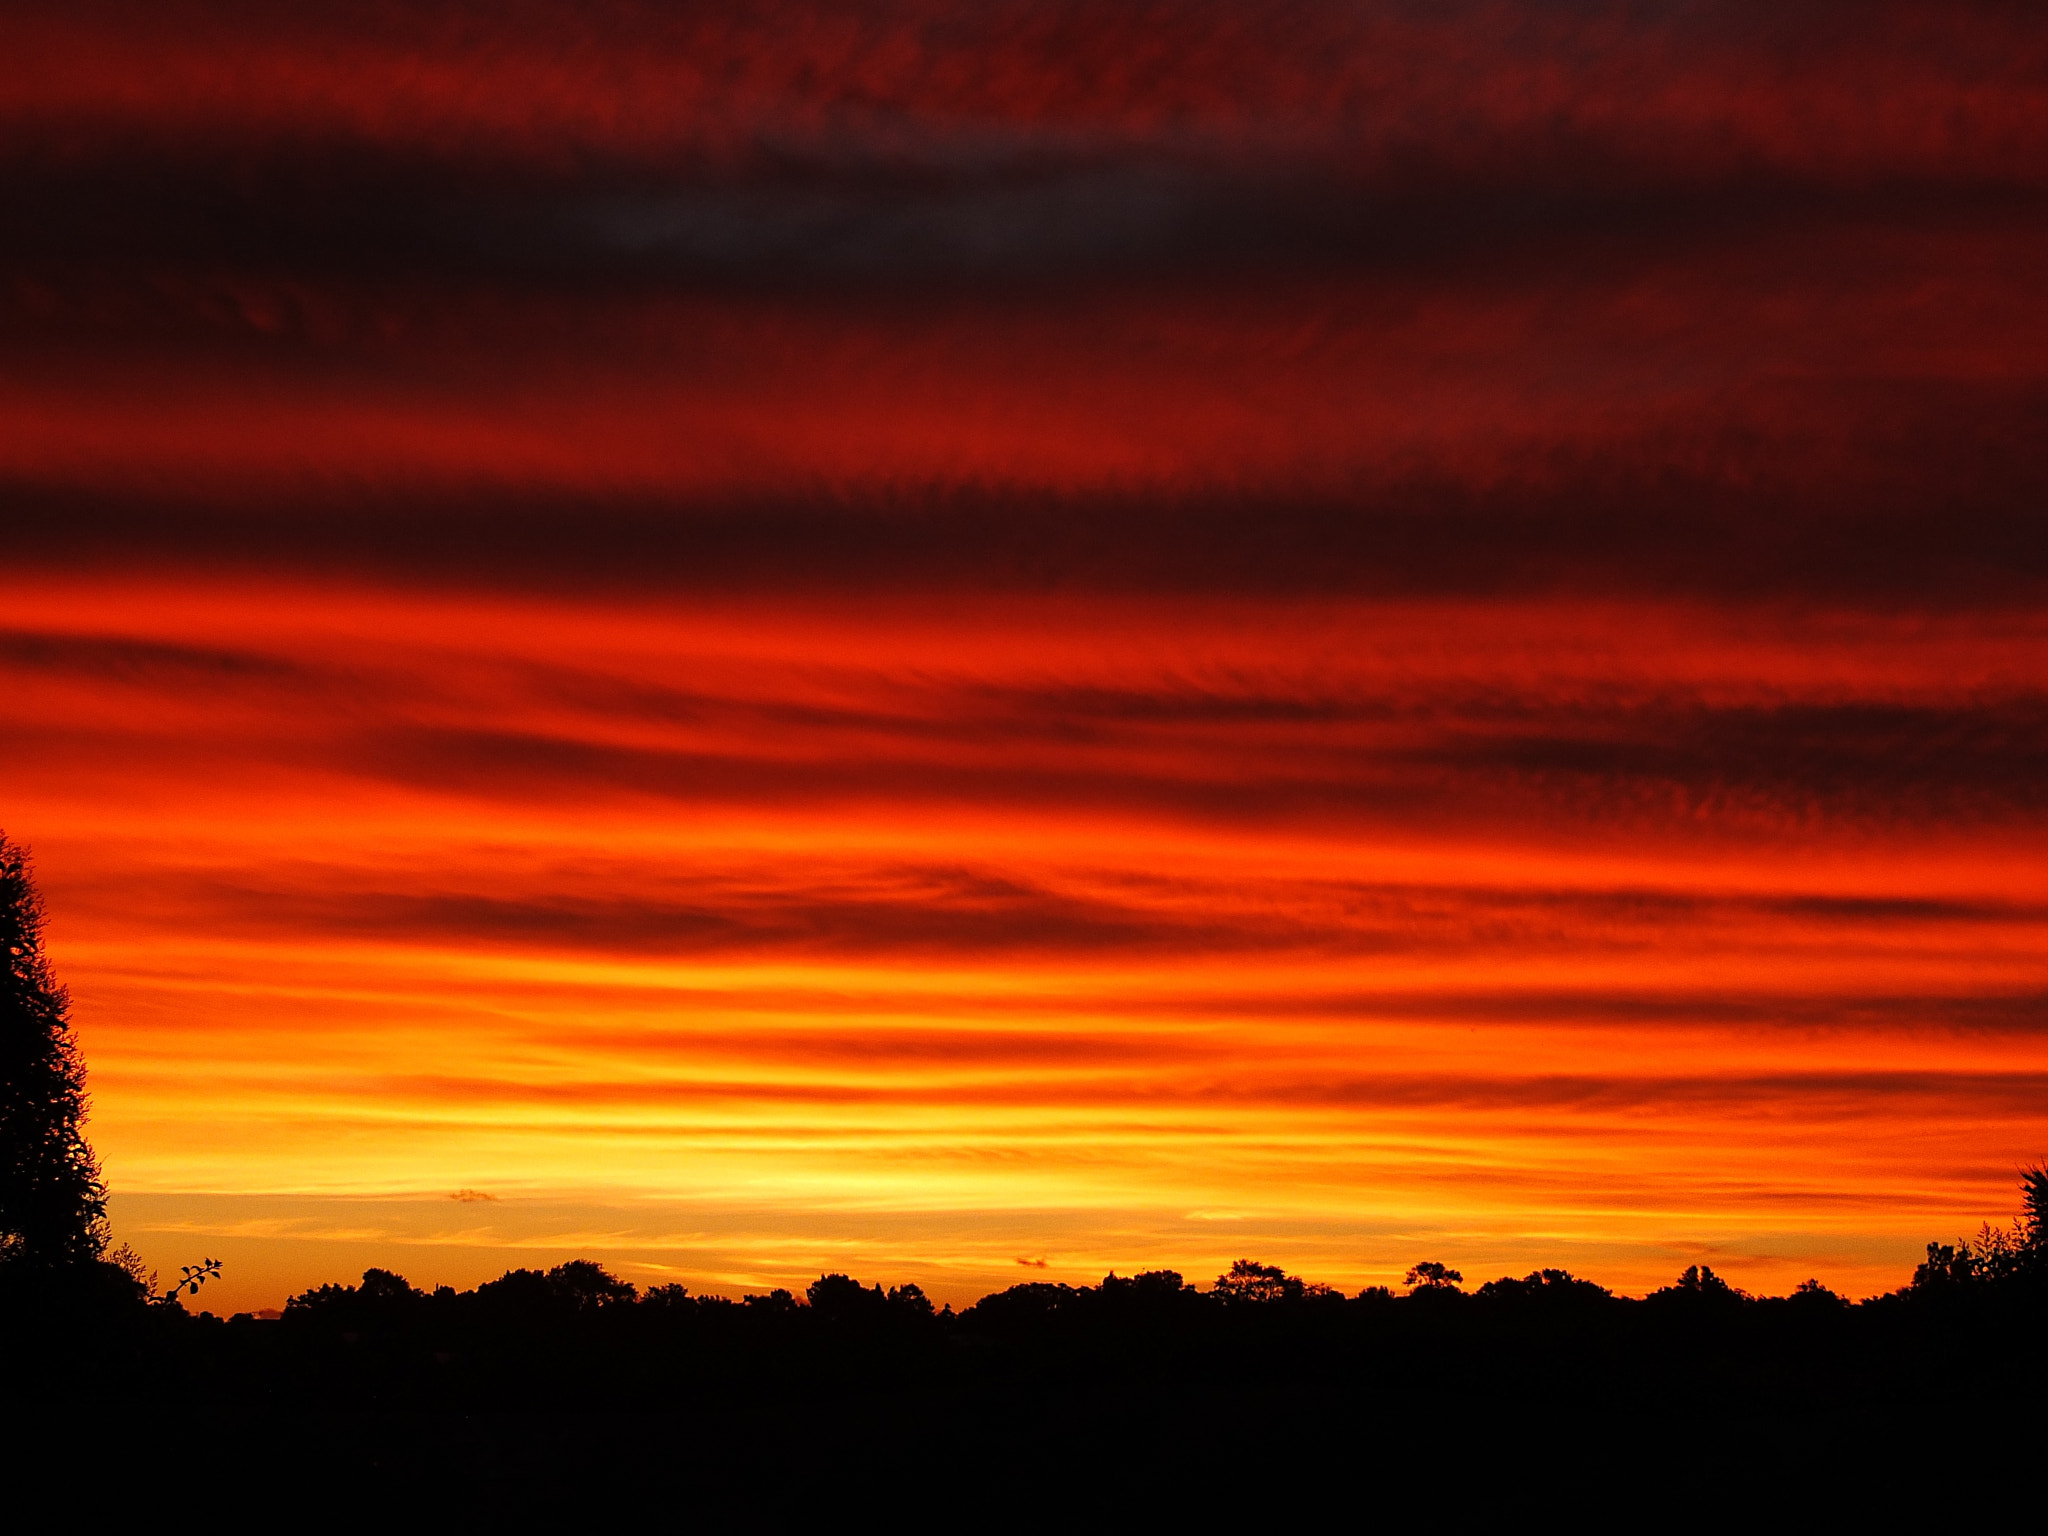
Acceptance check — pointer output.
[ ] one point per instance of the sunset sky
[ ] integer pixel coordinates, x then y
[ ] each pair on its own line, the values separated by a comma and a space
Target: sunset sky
989, 641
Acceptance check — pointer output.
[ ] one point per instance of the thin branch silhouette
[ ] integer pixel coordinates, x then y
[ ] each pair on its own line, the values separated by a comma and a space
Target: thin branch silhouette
190, 1278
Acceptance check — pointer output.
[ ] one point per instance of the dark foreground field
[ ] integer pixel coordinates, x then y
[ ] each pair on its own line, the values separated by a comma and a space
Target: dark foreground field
563, 1395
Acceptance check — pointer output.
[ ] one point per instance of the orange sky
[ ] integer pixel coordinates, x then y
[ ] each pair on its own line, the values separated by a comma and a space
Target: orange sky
990, 652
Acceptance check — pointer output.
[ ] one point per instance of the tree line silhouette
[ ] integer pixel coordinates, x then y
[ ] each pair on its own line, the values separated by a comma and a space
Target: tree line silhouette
546, 1383
1142, 1392
2001, 1267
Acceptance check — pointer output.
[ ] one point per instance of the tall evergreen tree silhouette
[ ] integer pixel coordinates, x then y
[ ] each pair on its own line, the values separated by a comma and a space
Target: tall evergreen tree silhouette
52, 1203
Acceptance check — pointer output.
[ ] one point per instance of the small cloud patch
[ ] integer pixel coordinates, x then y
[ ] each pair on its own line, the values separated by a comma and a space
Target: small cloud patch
1032, 1263
471, 1196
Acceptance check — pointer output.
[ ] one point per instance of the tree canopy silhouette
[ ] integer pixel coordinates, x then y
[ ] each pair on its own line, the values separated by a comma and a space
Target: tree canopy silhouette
2007, 1259
1250, 1281
53, 1205
1432, 1278
1547, 1287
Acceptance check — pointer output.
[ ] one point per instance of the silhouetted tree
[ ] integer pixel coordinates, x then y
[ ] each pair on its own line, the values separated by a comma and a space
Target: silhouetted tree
577, 1286
382, 1296
910, 1300
53, 1205
1549, 1287
1999, 1254
1998, 1258
1948, 1266
586, 1287
381, 1285
1157, 1293
2027, 1259
1699, 1287
842, 1296
1155, 1283
843, 1299
1813, 1295
2034, 1207
1431, 1278
1249, 1281
1034, 1301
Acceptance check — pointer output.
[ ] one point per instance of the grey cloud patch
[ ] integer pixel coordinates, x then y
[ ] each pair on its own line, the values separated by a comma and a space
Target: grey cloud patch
1092, 217
890, 226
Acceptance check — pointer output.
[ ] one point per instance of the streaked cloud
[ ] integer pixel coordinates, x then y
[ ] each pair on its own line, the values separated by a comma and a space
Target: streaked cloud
812, 636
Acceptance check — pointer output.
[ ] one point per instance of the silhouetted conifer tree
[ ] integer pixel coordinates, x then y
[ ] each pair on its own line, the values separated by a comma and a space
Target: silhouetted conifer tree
2034, 1212
52, 1203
